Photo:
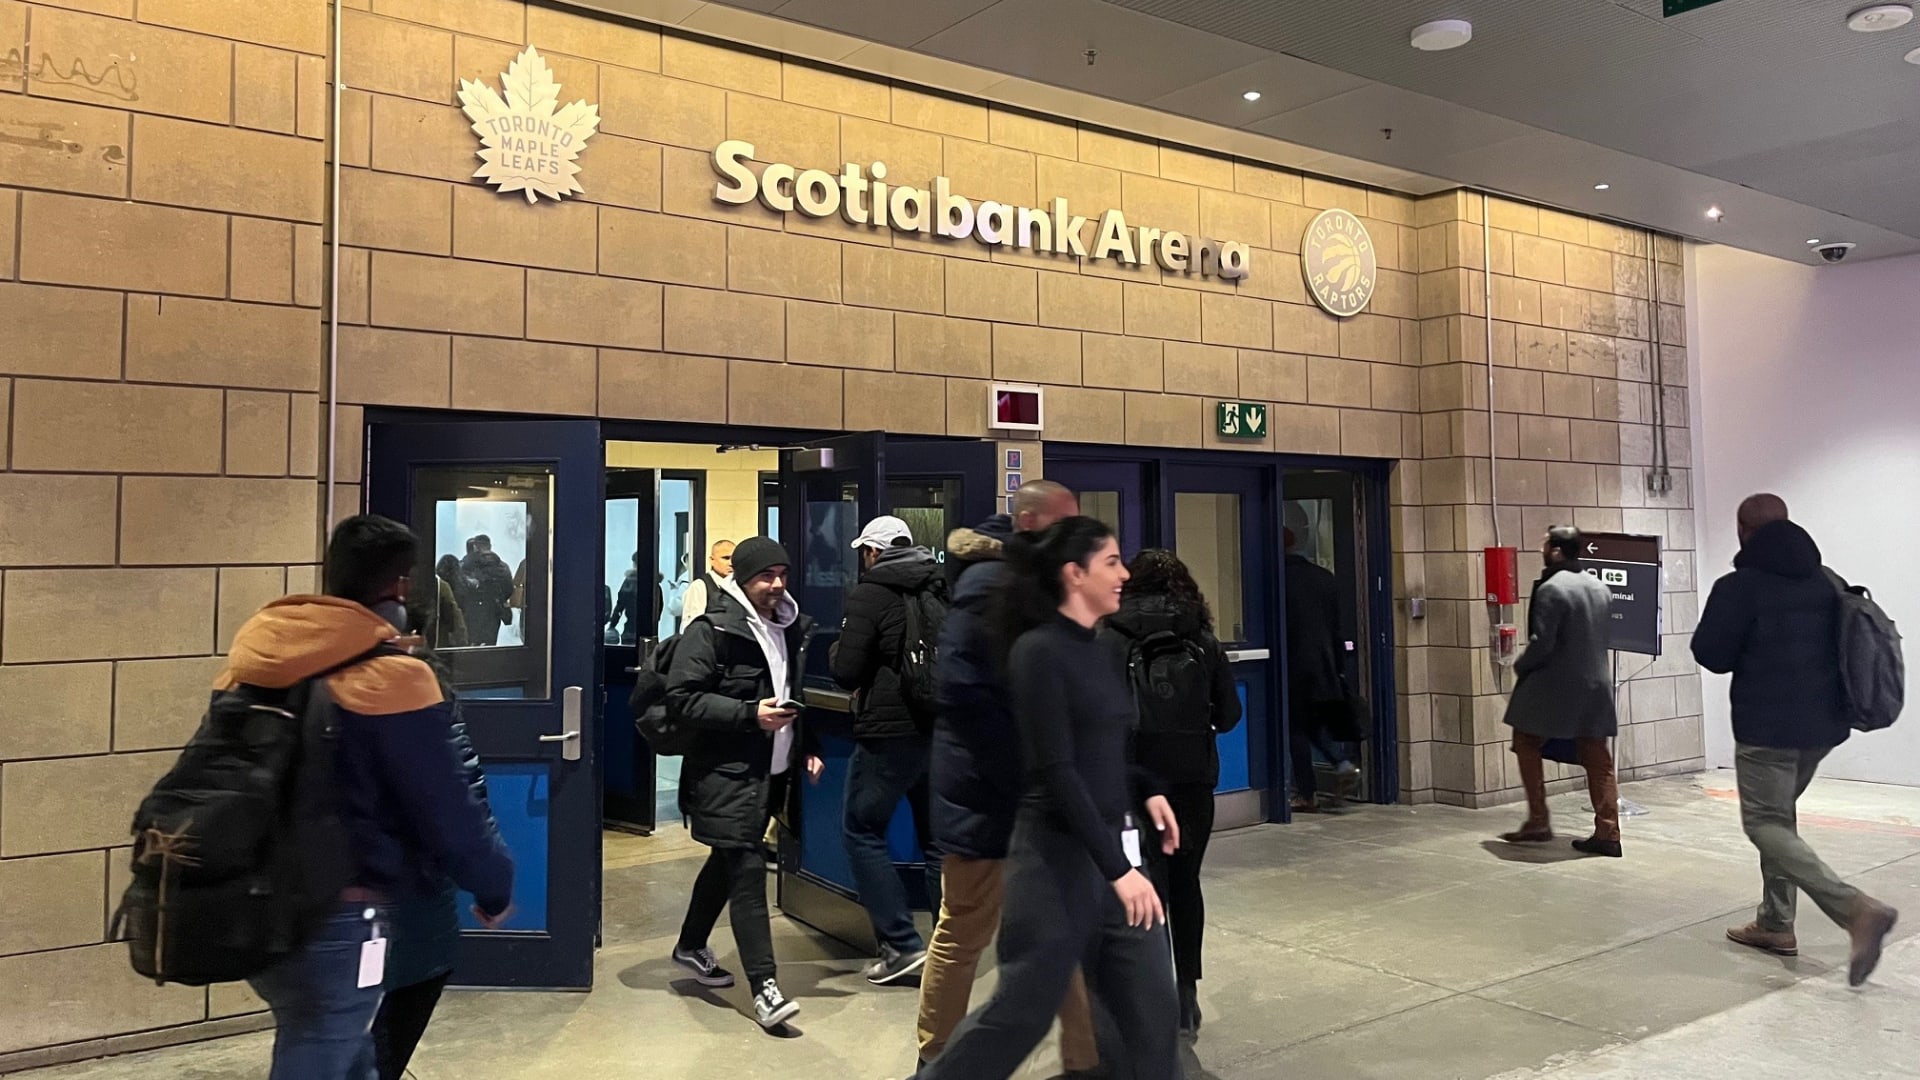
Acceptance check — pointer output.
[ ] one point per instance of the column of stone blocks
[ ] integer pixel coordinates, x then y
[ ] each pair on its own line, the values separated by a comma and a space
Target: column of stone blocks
159, 286
1573, 407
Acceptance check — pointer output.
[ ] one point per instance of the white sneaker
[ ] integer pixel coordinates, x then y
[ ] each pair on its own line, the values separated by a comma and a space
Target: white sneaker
773, 1008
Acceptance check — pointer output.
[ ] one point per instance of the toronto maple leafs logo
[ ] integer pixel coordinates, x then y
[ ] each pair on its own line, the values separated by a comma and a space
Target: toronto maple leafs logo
528, 141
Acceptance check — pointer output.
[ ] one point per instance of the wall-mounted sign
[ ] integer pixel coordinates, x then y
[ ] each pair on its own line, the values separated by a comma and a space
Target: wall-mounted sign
863, 197
1240, 420
528, 141
1337, 256
1629, 566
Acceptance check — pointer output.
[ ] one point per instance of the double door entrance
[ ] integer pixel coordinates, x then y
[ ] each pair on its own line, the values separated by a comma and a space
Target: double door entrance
1229, 521
545, 572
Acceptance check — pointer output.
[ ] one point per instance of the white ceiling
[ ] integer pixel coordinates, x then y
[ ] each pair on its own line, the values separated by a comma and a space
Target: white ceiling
1770, 109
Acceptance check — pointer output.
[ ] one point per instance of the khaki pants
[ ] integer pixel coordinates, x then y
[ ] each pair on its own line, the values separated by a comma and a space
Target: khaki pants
969, 917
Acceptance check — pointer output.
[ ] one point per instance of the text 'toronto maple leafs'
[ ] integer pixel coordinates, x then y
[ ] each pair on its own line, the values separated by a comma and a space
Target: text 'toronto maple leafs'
527, 143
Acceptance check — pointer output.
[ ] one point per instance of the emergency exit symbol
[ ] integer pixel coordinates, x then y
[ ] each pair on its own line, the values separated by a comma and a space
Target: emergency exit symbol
1240, 420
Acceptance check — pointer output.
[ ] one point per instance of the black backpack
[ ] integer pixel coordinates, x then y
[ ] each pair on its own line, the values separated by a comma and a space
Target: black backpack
665, 733
1872, 670
1172, 684
925, 610
239, 853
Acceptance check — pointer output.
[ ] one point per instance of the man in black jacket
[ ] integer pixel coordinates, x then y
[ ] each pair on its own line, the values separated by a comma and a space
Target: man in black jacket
735, 675
1774, 624
1315, 690
892, 732
977, 778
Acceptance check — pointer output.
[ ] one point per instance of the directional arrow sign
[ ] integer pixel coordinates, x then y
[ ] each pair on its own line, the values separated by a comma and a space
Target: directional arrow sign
1240, 420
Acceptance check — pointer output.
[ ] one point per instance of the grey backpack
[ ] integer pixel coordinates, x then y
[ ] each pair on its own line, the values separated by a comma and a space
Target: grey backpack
1871, 667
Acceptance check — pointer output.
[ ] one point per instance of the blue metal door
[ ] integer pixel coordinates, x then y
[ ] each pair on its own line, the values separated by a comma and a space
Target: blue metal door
521, 498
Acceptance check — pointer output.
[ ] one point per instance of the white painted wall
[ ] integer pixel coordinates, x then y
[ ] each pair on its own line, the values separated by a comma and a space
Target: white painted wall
1805, 381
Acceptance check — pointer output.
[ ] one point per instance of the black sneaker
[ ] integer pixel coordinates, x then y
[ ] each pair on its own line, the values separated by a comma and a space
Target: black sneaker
894, 965
773, 1008
706, 970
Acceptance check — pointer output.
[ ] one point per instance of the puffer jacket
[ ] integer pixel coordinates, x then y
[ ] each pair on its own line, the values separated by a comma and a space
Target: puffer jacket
976, 774
1182, 758
718, 678
1774, 623
867, 658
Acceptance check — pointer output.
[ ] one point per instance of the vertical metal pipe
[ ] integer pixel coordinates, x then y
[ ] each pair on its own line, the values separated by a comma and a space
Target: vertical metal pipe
1486, 285
1656, 372
333, 282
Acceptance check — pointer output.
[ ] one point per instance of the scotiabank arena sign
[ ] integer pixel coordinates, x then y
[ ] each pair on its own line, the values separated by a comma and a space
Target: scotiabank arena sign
863, 197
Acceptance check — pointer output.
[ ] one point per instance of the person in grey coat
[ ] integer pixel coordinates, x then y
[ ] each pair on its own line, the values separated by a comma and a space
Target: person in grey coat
1564, 691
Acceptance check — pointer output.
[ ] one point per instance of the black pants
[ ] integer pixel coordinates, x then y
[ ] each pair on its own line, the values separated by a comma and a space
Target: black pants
1177, 877
736, 877
1307, 733
403, 1017
1061, 915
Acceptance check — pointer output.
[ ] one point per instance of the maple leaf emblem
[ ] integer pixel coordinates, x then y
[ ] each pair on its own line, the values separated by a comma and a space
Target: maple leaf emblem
528, 141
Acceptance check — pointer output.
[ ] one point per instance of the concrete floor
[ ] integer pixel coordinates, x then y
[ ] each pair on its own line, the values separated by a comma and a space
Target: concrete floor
1389, 943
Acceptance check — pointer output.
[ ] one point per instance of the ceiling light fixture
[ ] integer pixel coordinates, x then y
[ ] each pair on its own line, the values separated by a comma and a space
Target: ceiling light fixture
1442, 34
1815, 240
1878, 17
1714, 213
1913, 57
1251, 95
1601, 187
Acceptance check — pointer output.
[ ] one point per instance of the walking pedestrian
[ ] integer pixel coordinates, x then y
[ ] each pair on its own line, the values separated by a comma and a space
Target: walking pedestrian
1075, 894
1773, 624
1184, 688
1564, 691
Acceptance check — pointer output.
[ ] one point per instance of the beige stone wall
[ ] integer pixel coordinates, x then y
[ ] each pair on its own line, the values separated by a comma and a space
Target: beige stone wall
162, 271
1574, 437
162, 190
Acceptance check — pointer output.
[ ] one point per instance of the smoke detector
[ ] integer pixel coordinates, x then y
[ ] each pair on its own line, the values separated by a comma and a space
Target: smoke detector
1443, 34
1878, 17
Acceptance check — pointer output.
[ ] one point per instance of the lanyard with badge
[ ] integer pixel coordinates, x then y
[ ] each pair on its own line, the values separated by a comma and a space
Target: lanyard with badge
373, 954
1130, 842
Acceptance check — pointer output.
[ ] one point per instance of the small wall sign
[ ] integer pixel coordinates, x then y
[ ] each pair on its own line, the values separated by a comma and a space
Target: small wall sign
528, 141
1240, 420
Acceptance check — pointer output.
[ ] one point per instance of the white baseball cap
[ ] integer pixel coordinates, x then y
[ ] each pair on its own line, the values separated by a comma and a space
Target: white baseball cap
882, 533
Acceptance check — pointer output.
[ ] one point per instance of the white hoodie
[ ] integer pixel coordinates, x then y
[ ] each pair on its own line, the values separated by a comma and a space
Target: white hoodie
772, 636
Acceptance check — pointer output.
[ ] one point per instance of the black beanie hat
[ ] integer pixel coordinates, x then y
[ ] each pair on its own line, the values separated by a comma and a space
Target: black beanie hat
753, 557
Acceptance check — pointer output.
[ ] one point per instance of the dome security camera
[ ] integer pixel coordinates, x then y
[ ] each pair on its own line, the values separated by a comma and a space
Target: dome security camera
1833, 253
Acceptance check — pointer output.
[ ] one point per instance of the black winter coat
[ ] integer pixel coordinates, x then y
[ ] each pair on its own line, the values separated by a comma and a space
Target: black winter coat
976, 772
1313, 636
1178, 759
867, 657
718, 679
425, 930
1774, 623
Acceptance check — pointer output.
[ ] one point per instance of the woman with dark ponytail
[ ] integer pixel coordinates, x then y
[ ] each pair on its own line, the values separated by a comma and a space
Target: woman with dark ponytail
1075, 895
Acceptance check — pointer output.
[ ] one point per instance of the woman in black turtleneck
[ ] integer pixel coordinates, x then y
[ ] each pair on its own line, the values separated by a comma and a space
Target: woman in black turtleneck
1075, 894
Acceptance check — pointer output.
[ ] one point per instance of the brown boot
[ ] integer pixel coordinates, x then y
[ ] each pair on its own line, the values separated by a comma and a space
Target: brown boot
1755, 936
1872, 922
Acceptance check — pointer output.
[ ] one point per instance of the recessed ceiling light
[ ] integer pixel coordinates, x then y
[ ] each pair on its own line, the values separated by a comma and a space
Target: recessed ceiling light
1815, 240
1878, 17
1714, 213
1914, 57
1601, 187
1251, 95
1442, 34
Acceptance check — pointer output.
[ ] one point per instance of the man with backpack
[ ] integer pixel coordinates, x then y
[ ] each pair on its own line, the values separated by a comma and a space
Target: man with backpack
1779, 625
885, 655
354, 785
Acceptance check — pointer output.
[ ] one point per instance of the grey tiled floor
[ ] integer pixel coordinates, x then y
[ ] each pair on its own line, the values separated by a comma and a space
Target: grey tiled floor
1383, 943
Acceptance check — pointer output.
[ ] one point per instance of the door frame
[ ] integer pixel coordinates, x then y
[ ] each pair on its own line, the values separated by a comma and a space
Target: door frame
1377, 552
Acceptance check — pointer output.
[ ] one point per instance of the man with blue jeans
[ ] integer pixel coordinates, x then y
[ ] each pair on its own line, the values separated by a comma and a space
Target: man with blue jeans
892, 734
408, 813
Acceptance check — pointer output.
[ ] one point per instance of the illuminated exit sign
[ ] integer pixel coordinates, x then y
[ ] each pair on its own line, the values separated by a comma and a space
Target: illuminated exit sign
1678, 7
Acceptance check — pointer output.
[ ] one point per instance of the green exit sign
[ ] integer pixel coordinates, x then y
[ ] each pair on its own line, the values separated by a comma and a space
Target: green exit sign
1240, 420
1676, 7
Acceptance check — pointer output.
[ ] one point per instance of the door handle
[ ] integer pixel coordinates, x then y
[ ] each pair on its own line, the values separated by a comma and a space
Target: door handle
1235, 656
569, 736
